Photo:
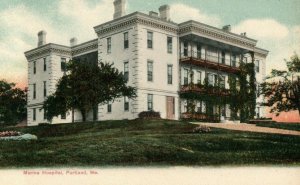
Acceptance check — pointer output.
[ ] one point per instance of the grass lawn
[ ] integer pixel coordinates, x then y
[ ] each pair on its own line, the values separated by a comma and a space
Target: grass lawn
287, 126
140, 143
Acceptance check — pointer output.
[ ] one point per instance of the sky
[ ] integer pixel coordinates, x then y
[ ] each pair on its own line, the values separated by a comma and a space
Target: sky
274, 23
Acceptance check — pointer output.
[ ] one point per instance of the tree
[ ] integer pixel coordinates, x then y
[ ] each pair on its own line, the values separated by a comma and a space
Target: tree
282, 88
85, 86
12, 103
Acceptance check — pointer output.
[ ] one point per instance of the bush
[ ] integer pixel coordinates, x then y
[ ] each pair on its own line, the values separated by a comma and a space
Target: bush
201, 129
149, 115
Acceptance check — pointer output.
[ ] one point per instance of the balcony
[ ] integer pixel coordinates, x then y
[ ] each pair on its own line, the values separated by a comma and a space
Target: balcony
210, 62
201, 89
200, 117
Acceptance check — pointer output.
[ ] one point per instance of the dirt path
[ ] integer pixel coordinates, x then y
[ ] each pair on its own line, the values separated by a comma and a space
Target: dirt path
251, 128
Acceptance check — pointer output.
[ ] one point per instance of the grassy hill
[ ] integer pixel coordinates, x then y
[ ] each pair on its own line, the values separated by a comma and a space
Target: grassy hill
131, 143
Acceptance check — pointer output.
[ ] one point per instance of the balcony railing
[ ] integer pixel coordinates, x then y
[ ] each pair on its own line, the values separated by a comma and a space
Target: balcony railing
209, 61
197, 88
200, 117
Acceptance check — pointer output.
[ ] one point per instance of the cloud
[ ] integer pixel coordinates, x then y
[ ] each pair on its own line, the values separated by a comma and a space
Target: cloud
181, 12
282, 41
84, 17
262, 29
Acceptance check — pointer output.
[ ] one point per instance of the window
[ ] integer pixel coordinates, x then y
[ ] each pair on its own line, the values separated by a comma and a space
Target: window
109, 45
126, 42
126, 71
223, 57
170, 74
223, 110
109, 107
45, 65
34, 114
199, 77
126, 104
233, 60
150, 71
34, 91
150, 39
257, 90
150, 102
199, 107
210, 79
34, 67
216, 80
45, 114
185, 77
222, 81
198, 51
45, 88
63, 64
63, 116
257, 66
170, 44
185, 49
257, 112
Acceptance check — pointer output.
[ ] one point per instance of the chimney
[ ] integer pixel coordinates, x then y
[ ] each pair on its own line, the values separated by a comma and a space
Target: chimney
73, 41
119, 8
164, 12
227, 28
153, 14
41, 38
244, 34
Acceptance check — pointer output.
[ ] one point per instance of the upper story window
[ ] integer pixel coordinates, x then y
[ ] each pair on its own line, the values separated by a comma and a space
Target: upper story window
199, 77
170, 44
257, 66
109, 45
199, 51
185, 49
150, 39
45, 88
126, 71
126, 104
34, 67
211, 79
150, 102
126, 41
45, 65
150, 71
222, 81
34, 91
63, 64
170, 74
185, 76
233, 60
223, 57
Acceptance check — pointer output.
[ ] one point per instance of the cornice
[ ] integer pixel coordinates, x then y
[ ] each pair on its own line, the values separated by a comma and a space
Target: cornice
206, 30
136, 18
89, 46
47, 49
261, 52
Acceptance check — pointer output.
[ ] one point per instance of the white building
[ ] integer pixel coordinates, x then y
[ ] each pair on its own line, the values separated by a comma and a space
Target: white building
158, 56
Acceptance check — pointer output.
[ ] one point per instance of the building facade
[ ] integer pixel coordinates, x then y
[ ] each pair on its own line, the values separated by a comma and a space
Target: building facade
167, 63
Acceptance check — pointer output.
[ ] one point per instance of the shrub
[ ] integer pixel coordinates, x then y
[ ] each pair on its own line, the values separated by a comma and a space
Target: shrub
201, 129
149, 115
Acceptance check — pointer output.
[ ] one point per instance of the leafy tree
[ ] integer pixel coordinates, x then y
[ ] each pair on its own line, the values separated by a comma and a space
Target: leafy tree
84, 86
12, 103
282, 88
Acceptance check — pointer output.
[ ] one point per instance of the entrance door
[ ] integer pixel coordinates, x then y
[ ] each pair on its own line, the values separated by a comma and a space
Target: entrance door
170, 107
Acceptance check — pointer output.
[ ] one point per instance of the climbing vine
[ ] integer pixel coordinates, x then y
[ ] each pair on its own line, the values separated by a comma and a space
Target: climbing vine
242, 97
